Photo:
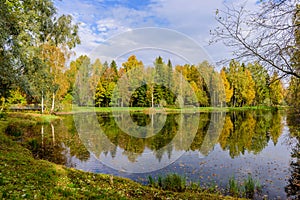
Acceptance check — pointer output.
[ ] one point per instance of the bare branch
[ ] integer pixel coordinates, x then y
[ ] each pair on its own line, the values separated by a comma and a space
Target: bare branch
267, 35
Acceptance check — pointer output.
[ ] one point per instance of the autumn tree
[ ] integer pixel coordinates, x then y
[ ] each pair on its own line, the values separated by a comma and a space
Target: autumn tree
131, 63
55, 61
276, 90
106, 84
262, 81
248, 92
293, 95
242, 84
227, 87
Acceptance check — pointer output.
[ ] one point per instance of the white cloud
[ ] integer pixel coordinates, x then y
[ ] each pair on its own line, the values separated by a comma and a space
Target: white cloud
107, 27
100, 21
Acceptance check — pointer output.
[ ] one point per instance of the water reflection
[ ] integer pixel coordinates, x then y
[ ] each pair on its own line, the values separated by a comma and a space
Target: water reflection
250, 131
293, 187
142, 153
263, 143
55, 142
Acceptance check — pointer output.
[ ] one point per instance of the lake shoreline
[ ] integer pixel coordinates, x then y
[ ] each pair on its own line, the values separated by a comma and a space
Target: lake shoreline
149, 110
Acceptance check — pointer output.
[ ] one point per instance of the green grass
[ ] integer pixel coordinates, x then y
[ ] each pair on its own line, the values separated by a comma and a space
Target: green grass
23, 177
233, 187
33, 117
147, 110
247, 189
173, 182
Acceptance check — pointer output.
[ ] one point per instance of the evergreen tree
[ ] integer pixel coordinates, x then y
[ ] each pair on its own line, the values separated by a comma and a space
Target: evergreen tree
261, 79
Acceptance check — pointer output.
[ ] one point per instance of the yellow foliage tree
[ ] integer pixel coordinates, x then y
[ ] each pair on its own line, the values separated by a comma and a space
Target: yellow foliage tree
249, 90
227, 87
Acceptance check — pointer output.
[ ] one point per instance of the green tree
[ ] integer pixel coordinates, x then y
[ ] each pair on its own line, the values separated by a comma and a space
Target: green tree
55, 60
294, 85
82, 89
96, 73
242, 83
25, 27
293, 95
261, 79
106, 85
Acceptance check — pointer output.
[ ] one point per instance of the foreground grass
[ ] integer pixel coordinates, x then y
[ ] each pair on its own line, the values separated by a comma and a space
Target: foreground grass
23, 177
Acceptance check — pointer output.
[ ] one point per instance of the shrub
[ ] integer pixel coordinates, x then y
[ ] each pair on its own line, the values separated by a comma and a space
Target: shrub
13, 130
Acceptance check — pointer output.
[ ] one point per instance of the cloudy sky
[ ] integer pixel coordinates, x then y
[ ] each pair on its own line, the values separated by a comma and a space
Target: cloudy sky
104, 20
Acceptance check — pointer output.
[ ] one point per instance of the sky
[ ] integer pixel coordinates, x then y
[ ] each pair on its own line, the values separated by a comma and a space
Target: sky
176, 23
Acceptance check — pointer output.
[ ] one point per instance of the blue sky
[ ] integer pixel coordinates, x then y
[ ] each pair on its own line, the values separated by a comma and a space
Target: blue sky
103, 19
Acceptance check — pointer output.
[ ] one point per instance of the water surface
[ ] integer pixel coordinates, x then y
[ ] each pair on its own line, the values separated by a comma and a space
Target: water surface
206, 148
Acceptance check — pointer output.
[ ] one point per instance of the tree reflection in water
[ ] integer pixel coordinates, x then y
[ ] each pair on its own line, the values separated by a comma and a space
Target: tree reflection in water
243, 133
293, 188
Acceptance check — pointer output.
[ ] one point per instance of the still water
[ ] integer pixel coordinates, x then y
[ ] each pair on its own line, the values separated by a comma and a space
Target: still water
206, 148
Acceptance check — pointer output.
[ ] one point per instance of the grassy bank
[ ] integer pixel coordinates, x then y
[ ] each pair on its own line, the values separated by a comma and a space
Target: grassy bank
21, 176
167, 109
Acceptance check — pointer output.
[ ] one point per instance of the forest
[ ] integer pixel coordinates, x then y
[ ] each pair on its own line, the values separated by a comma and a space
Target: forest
244, 85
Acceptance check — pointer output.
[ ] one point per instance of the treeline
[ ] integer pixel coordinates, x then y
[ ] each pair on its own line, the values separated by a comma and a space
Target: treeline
88, 83
135, 85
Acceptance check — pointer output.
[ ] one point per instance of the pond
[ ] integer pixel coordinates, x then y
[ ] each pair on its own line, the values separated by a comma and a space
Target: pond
206, 148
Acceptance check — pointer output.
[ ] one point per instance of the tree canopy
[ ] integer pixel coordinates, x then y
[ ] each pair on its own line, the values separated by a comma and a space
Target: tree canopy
31, 32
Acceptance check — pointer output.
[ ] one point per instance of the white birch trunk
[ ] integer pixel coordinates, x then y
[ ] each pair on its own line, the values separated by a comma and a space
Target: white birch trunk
42, 102
53, 135
53, 102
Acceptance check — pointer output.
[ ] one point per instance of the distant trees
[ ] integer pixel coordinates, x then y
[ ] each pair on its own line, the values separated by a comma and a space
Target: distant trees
135, 85
251, 85
102, 84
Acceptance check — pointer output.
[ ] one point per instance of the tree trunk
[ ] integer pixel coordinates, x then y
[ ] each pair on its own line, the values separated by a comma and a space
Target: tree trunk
42, 132
53, 102
152, 99
53, 134
42, 102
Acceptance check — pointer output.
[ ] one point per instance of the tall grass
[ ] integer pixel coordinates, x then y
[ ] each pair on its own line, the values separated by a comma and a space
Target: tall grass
173, 182
234, 188
247, 189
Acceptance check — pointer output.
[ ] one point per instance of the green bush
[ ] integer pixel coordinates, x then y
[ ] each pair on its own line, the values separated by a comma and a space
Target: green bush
3, 115
14, 130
